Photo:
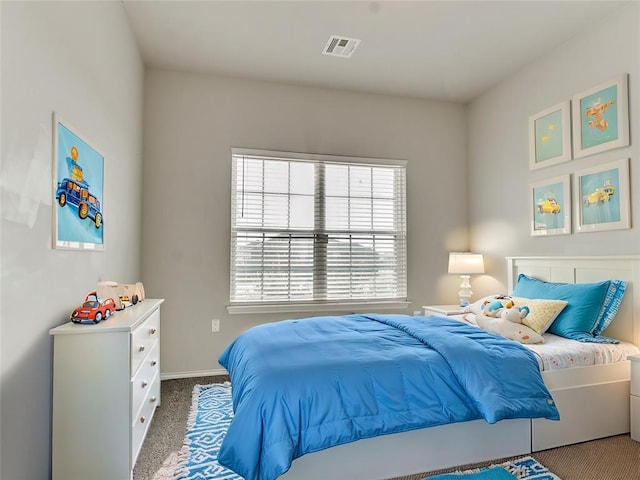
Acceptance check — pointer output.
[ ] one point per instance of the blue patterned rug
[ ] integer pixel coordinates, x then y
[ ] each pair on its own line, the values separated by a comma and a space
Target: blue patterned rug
525, 468
211, 414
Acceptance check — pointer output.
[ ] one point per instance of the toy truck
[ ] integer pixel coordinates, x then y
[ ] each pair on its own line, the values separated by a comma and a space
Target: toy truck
123, 294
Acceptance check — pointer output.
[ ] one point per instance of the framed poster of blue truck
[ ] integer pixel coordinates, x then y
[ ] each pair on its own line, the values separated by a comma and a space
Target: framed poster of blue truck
78, 217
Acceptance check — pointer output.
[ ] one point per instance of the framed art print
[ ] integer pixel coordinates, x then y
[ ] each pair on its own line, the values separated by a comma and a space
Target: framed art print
601, 197
601, 118
551, 206
78, 191
550, 136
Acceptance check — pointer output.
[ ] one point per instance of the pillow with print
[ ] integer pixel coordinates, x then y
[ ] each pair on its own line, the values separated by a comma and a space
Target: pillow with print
542, 312
505, 328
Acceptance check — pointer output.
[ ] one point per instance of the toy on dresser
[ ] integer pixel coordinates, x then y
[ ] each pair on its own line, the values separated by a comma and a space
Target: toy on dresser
124, 294
93, 309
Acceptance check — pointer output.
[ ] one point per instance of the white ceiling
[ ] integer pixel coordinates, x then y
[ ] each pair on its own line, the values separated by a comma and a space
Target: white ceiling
450, 50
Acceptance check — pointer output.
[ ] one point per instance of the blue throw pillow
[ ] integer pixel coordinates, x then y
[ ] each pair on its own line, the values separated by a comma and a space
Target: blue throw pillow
585, 305
611, 304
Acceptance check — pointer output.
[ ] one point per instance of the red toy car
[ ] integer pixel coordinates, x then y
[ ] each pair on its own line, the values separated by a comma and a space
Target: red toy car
93, 309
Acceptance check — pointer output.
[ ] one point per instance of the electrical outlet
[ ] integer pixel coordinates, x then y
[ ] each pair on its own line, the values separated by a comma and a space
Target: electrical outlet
215, 325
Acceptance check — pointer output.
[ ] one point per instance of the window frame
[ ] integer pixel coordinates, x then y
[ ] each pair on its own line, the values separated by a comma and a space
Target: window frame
355, 305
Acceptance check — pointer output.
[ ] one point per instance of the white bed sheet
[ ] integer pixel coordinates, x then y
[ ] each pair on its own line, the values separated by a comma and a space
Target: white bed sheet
559, 352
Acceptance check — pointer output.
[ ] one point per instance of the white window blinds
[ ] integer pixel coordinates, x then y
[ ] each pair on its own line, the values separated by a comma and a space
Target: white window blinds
316, 228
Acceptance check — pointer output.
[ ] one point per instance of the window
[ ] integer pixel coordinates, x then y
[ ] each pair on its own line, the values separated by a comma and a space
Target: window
316, 229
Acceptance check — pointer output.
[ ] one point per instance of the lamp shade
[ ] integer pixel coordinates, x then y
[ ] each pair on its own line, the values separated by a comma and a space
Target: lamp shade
465, 263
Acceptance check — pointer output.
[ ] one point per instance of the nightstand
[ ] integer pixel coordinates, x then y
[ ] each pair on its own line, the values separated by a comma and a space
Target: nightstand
635, 397
443, 310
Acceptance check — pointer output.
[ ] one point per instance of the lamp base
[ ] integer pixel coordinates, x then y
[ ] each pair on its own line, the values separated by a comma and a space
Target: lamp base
465, 292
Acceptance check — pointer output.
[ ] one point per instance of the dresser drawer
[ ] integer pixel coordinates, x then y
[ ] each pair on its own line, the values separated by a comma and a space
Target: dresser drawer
141, 421
141, 382
143, 338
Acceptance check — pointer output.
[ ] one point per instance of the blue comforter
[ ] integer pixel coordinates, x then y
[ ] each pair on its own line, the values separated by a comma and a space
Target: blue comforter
299, 386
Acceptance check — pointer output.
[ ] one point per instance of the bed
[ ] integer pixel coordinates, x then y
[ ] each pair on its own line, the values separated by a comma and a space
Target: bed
593, 401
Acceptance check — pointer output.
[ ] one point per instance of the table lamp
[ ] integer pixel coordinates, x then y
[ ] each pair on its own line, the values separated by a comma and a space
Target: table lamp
464, 264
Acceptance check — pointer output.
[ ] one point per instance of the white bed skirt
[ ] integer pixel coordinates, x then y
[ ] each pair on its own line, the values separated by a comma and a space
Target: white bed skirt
406, 453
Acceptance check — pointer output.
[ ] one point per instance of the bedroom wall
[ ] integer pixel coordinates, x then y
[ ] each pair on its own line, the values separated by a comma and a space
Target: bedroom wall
499, 176
190, 124
79, 59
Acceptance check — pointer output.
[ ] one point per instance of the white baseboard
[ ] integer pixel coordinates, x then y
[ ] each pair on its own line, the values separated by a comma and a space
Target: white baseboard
196, 373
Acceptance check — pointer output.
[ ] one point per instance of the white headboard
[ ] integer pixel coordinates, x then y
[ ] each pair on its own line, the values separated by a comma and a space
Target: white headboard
626, 325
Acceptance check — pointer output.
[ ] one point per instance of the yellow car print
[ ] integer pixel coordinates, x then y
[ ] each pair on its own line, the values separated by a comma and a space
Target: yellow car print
550, 205
600, 195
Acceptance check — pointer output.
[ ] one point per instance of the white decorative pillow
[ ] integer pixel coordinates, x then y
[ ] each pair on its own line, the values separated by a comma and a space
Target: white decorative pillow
542, 312
505, 328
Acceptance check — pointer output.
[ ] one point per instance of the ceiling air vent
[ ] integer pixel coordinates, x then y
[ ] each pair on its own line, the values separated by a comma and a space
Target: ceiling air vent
338, 46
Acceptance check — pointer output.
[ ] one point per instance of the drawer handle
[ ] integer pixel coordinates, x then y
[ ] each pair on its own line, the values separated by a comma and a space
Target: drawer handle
153, 399
153, 363
142, 419
141, 348
144, 383
152, 331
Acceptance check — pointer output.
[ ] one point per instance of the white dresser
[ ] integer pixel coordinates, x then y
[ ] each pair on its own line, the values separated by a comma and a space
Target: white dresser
106, 387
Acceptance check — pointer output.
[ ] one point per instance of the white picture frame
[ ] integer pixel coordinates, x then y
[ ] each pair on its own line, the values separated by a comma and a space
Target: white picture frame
601, 197
550, 206
600, 117
78, 190
550, 136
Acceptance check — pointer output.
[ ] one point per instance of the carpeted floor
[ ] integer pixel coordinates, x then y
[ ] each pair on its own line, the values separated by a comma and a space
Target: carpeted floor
614, 458
168, 427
